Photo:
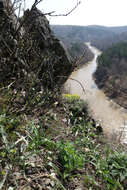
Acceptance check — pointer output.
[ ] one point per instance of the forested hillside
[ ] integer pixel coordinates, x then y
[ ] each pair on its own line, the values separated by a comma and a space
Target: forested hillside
83, 33
100, 36
110, 41
111, 73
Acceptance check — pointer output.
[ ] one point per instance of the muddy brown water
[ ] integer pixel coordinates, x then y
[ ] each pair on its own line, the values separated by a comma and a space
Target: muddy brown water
110, 115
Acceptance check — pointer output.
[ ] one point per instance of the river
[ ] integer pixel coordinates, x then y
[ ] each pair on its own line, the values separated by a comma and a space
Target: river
111, 116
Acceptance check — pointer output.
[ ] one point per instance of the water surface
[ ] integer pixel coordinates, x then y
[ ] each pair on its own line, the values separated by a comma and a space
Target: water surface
110, 115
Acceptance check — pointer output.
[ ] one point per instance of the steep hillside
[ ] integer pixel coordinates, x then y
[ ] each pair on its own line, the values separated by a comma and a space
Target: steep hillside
74, 44
78, 51
111, 73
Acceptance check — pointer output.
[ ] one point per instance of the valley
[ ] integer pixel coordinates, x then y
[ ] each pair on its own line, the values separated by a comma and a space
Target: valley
101, 37
106, 112
106, 93
52, 138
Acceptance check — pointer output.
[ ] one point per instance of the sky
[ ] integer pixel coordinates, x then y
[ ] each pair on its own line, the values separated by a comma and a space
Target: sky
89, 12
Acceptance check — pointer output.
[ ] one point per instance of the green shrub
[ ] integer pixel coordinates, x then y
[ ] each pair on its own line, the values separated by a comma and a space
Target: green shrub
113, 169
69, 158
117, 164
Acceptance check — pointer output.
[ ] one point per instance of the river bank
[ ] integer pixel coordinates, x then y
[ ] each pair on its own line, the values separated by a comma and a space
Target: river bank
110, 115
111, 72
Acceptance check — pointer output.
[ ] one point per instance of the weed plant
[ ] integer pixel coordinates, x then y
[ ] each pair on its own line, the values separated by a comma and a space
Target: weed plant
26, 148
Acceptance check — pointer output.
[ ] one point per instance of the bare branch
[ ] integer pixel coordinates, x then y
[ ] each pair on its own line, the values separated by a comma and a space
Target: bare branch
49, 13
75, 81
80, 58
36, 3
79, 83
66, 14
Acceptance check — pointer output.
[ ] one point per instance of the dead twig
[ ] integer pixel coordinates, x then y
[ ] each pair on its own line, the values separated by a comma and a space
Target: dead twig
80, 58
66, 14
79, 83
36, 3
76, 81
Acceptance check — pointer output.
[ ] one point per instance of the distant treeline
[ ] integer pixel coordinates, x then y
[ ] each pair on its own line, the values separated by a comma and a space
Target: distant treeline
100, 36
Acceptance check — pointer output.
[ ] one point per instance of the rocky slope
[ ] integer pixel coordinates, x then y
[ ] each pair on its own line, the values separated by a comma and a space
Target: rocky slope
31, 45
33, 60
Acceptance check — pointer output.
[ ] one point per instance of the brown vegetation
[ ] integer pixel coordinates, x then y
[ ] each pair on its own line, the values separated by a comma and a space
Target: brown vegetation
32, 60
